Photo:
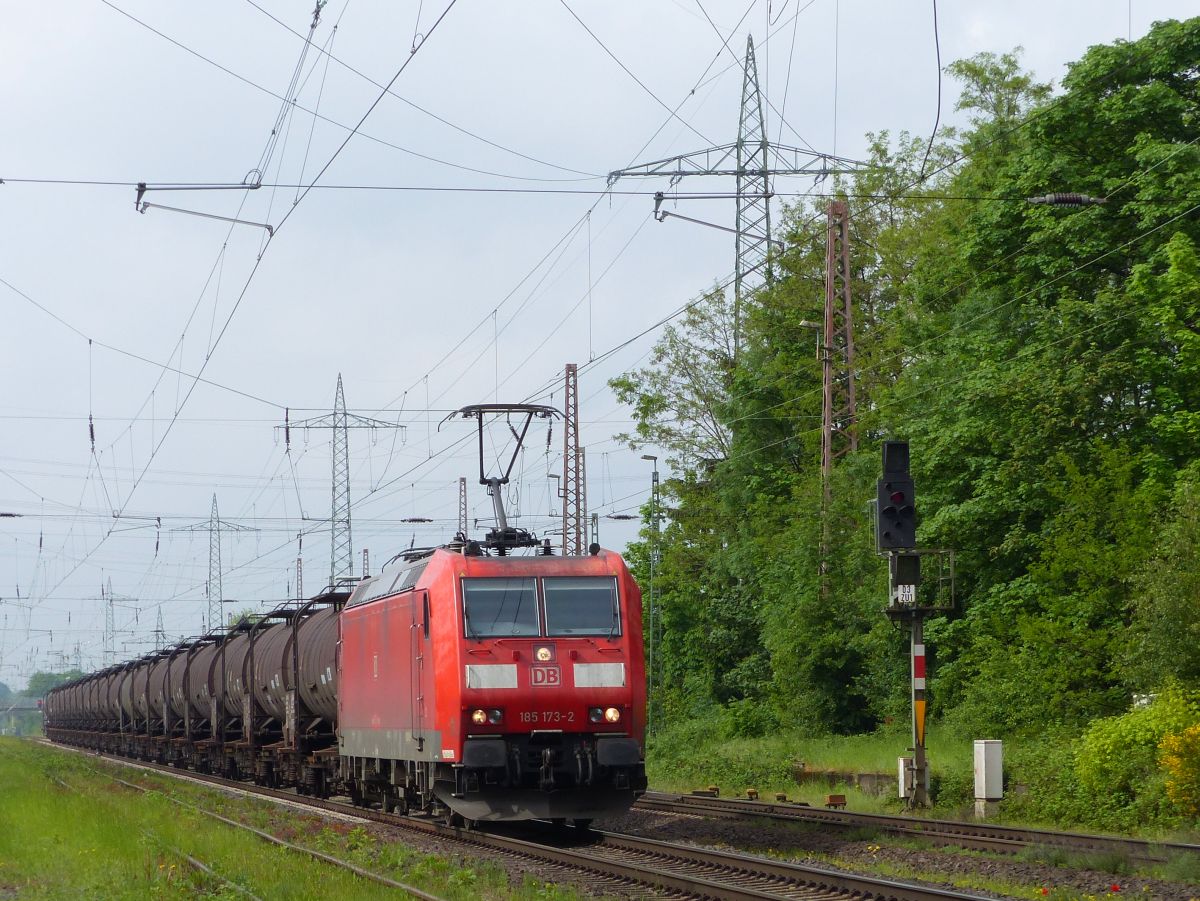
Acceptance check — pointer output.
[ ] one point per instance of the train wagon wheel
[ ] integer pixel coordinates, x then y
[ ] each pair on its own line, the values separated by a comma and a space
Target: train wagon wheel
458, 821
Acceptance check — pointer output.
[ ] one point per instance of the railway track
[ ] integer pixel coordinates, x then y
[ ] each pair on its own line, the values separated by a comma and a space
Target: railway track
616, 862
976, 836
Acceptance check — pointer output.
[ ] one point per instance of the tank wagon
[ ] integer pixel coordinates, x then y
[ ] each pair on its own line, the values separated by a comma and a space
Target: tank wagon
466, 681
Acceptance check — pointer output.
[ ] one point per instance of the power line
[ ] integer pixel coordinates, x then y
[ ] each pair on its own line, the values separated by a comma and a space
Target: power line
629, 72
931, 197
422, 109
937, 45
165, 367
314, 113
242, 294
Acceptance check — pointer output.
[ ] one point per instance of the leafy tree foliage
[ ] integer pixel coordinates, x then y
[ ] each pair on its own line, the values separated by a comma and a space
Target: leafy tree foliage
41, 682
1043, 363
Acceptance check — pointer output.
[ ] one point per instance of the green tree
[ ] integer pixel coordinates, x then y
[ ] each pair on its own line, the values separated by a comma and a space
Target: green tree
41, 682
1042, 362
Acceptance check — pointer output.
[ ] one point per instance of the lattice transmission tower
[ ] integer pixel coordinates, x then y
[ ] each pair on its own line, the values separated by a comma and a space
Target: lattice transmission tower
341, 557
214, 592
752, 160
110, 627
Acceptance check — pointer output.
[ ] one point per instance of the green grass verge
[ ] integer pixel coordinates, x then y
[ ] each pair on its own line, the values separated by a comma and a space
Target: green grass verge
100, 840
695, 755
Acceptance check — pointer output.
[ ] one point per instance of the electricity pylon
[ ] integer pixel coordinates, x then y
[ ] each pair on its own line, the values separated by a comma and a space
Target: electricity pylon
110, 630
341, 557
755, 161
214, 591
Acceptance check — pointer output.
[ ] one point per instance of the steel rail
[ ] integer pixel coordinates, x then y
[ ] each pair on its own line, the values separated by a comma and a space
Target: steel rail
780, 879
977, 836
674, 868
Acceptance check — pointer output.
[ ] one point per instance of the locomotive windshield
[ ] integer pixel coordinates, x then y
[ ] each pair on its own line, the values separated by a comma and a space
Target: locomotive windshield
500, 608
582, 606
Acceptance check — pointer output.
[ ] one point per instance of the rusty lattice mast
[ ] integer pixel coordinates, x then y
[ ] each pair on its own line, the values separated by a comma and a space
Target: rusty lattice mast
839, 434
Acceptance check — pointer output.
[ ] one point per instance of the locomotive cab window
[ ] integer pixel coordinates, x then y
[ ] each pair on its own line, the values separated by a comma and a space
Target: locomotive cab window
500, 608
584, 605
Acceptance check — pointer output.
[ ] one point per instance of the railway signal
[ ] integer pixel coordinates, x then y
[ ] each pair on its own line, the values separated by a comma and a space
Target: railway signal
896, 522
896, 536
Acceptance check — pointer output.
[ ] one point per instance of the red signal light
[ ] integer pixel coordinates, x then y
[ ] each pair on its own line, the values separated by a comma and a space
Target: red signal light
897, 497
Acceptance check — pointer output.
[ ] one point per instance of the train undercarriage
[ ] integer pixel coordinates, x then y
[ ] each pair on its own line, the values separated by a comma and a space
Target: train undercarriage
502, 778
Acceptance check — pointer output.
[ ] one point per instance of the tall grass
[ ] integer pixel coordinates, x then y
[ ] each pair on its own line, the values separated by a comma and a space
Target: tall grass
97, 839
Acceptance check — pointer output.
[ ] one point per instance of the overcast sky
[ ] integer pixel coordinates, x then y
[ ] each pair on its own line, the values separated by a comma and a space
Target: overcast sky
424, 300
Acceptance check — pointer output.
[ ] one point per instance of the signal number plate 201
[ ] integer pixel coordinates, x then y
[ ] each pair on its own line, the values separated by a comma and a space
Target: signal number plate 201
547, 717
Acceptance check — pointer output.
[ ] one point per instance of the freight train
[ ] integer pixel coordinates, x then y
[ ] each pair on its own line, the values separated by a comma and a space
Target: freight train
469, 681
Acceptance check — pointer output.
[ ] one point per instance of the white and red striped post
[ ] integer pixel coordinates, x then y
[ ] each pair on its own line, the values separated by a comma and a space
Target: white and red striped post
918, 796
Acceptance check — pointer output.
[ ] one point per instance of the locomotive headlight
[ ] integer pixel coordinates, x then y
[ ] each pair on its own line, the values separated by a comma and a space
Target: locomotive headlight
479, 717
543, 654
612, 715
595, 714
495, 716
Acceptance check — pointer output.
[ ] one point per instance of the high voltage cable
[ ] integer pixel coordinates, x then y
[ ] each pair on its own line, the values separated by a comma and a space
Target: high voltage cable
579, 222
580, 192
940, 336
741, 64
961, 157
247, 284
629, 72
132, 354
422, 109
990, 312
314, 113
672, 114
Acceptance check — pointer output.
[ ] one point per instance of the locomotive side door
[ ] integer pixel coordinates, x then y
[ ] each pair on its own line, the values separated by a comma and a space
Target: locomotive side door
419, 646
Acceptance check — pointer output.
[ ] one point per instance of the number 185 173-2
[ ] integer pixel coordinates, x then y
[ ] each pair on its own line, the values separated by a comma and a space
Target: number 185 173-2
542, 717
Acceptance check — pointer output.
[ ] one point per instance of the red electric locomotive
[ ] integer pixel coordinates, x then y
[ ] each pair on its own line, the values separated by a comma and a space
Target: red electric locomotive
485, 680
506, 687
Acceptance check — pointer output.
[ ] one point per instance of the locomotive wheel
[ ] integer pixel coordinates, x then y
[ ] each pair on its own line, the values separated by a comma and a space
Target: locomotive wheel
458, 821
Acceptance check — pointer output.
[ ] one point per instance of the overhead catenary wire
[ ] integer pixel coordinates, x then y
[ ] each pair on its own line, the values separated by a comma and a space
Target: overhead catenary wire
793, 20
334, 122
478, 137
245, 289
937, 46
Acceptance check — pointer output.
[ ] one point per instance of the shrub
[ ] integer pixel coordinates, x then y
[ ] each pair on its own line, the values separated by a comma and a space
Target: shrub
1179, 756
954, 788
1117, 762
748, 718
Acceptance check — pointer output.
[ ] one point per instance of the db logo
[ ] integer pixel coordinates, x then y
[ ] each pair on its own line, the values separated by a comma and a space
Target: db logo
545, 675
